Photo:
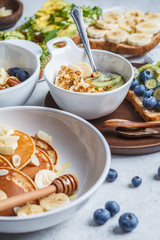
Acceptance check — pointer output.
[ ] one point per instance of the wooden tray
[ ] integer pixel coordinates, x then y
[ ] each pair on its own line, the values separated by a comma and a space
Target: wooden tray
120, 145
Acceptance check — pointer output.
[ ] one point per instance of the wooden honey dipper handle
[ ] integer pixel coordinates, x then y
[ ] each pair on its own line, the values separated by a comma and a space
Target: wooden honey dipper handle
129, 124
65, 184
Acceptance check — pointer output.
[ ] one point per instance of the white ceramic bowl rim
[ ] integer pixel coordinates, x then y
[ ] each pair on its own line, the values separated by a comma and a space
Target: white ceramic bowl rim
85, 195
100, 93
28, 79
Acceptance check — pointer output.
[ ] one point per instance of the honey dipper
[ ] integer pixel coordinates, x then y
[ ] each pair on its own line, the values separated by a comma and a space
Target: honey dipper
64, 184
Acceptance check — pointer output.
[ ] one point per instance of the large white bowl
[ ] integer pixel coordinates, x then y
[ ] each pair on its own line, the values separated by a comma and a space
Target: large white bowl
86, 105
23, 54
77, 142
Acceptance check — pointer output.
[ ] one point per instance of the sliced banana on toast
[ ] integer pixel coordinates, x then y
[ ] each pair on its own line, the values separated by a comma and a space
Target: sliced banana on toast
134, 13
54, 201
94, 32
138, 39
113, 16
148, 27
153, 17
105, 25
116, 36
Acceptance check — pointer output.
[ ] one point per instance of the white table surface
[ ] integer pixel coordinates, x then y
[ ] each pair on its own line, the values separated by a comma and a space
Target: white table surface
143, 201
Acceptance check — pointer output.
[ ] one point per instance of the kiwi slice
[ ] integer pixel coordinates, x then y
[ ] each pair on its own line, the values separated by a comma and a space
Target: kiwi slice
106, 82
156, 93
151, 83
117, 85
158, 64
14, 33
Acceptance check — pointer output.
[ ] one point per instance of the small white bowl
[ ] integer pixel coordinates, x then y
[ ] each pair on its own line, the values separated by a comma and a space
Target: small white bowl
86, 105
76, 141
23, 54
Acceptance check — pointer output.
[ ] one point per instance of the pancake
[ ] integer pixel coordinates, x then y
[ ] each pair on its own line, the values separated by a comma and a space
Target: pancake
14, 182
44, 163
4, 162
25, 149
46, 147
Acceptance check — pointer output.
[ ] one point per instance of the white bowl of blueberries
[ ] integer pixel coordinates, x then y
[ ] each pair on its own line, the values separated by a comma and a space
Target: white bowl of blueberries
19, 71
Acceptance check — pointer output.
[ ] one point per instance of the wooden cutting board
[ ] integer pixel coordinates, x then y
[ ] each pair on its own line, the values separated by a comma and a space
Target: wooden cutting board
120, 145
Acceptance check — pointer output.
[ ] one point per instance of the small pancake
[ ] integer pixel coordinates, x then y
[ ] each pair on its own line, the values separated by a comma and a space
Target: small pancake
44, 163
4, 162
14, 182
25, 149
46, 147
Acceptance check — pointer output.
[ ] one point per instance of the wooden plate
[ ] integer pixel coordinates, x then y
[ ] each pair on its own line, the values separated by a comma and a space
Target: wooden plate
120, 145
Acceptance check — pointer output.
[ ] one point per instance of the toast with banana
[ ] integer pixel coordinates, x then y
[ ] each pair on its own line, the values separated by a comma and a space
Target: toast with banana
144, 93
128, 33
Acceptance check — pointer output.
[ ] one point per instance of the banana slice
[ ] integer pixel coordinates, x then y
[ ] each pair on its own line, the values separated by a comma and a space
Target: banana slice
6, 130
29, 209
105, 25
153, 17
138, 39
113, 16
44, 178
134, 13
2, 195
54, 201
147, 27
85, 67
74, 67
95, 32
129, 24
44, 136
116, 36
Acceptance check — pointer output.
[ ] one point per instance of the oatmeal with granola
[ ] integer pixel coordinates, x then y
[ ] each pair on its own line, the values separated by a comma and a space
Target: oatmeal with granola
79, 77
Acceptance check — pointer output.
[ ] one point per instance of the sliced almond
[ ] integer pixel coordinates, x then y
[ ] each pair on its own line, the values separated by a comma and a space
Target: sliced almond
16, 160
2, 195
3, 172
35, 160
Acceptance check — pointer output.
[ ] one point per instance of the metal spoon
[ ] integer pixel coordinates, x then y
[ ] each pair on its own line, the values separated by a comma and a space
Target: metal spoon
137, 133
77, 16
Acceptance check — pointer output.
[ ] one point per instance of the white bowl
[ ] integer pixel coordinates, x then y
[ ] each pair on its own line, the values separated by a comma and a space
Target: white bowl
86, 105
77, 142
23, 54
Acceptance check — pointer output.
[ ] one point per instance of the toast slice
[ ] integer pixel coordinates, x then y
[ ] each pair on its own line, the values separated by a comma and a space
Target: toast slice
124, 48
147, 115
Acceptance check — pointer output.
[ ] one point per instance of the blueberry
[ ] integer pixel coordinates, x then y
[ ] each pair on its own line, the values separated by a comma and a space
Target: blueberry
101, 216
139, 90
144, 75
158, 172
158, 106
13, 71
136, 181
148, 93
128, 222
112, 175
149, 102
134, 83
113, 207
22, 75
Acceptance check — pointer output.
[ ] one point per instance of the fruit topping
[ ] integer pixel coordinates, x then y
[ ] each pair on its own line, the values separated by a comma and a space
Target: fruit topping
113, 207
134, 83
13, 71
158, 106
149, 102
148, 93
156, 93
101, 216
139, 90
151, 83
128, 222
136, 181
144, 75
22, 75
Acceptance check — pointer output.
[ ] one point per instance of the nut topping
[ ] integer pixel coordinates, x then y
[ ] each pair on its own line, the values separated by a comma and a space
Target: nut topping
13, 81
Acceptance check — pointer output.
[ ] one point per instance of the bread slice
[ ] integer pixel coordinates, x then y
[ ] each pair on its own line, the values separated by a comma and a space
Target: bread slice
147, 115
124, 48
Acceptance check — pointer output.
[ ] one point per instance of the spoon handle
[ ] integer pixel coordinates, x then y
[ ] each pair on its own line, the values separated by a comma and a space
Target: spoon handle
77, 16
129, 124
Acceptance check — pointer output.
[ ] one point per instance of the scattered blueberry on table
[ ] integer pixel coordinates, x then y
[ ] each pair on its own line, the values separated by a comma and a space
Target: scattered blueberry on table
113, 207
101, 216
136, 181
112, 175
128, 222
158, 172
